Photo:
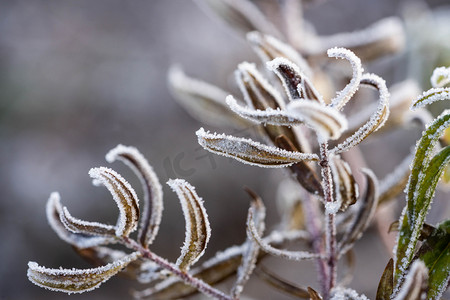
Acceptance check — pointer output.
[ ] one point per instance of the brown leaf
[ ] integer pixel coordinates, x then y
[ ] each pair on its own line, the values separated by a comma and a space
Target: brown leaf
281, 284
313, 294
386, 285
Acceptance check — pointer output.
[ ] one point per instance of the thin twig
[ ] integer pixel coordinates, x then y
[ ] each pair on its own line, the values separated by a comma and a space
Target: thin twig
186, 277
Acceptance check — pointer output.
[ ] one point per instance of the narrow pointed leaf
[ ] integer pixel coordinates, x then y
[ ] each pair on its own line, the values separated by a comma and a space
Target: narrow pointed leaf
257, 91
435, 253
313, 294
251, 252
124, 196
281, 284
364, 215
416, 283
54, 211
350, 89
268, 48
74, 280
252, 231
440, 77
296, 84
250, 152
243, 15
377, 119
346, 188
204, 101
386, 285
80, 226
425, 173
198, 230
431, 96
153, 195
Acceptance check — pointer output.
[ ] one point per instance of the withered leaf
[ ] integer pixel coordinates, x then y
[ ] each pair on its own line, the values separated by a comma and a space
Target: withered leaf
80, 226
75, 280
54, 211
364, 214
346, 188
198, 230
313, 294
249, 151
416, 283
153, 195
281, 284
124, 196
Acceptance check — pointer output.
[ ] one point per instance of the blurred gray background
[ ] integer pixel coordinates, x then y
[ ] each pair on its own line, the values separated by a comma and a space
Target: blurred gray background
78, 77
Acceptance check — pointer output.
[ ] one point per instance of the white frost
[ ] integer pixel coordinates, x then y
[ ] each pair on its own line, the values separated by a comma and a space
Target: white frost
440, 77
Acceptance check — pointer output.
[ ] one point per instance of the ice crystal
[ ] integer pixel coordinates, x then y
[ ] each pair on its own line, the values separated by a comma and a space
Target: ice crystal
440, 77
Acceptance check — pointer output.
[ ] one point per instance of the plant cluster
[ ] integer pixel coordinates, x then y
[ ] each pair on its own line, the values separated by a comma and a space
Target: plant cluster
307, 133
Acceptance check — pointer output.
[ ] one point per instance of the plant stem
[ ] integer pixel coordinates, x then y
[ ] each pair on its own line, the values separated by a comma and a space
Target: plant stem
330, 223
186, 277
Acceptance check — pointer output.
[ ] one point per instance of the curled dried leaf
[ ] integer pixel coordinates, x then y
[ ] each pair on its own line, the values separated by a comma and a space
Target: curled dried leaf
313, 294
268, 48
350, 89
80, 226
204, 101
54, 211
364, 214
346, 188
257, 91
296, 84
249, 151
153, 195
251, 252
124, 196
198, 230
242, 15
74, 280
377, 119
416, 283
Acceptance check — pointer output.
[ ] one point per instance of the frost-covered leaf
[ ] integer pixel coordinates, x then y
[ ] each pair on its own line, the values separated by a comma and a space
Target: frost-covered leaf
342, 97
250, 152
313, 294
339, 293
435, 253
54, 210
268, 48
382, 38
257, 91
242, 15
153, 195
364, 214
327, 122
281, 284
297, 85
346, 188
198, 230
253, 231
250, 254
304, 174
425, 173
124, 196
416, 283
204, 101
84, 227
324, 120
75, 280
386, 285
440, 77
431, 96
377, 119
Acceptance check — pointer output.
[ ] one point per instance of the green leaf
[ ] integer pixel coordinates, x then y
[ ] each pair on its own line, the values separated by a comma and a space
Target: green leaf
425, 173
435, 253
385, 287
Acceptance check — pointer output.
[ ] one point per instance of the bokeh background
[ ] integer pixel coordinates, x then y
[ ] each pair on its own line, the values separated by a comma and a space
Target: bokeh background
78, 77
